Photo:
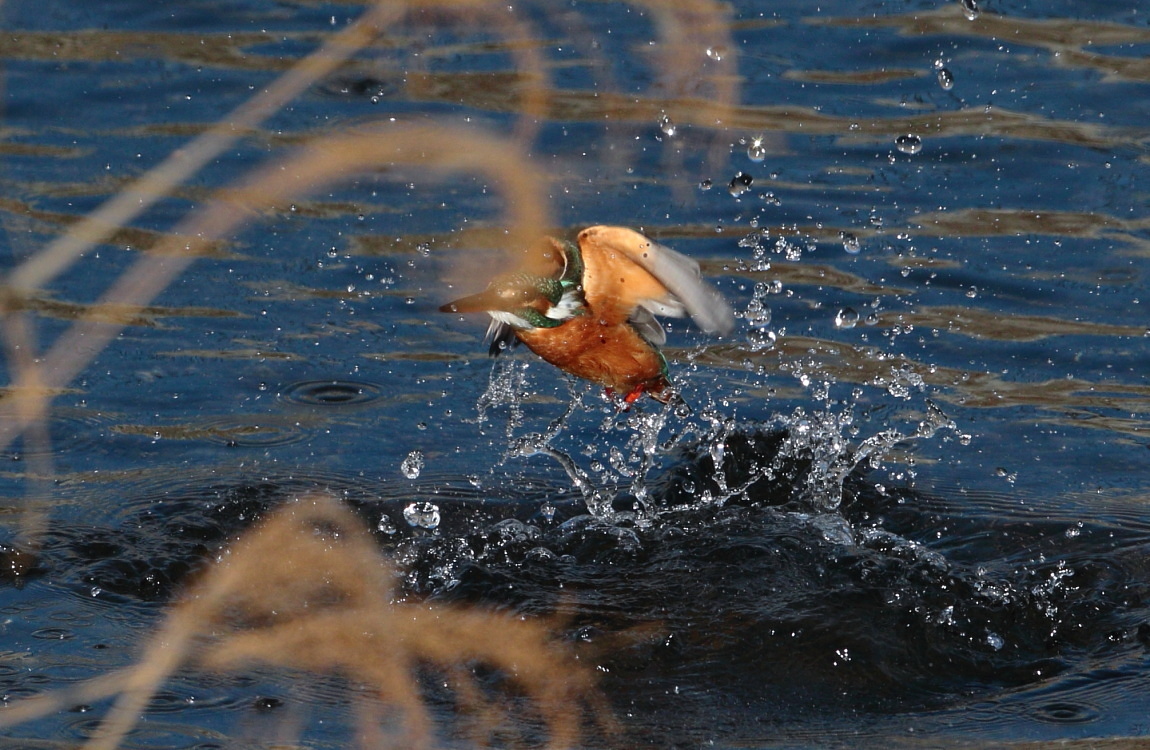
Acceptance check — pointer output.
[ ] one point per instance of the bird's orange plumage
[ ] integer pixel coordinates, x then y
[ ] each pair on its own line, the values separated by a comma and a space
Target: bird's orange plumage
612, 355
604, 331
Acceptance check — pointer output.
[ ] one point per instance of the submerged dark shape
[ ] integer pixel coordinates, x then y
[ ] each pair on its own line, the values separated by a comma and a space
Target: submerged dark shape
591, 311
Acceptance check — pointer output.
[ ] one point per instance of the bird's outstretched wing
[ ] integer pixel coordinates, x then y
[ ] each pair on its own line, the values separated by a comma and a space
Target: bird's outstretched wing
651, 278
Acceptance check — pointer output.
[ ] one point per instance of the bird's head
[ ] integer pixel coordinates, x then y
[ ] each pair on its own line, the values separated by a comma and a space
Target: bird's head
524, 301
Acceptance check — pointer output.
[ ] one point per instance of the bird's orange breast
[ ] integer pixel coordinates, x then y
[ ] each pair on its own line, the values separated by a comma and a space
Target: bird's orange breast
615, 356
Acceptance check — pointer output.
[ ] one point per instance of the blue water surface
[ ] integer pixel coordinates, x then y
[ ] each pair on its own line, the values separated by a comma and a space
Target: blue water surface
985, 584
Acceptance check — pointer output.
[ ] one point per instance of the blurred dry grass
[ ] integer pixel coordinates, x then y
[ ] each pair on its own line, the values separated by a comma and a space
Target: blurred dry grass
324, 604
326, 608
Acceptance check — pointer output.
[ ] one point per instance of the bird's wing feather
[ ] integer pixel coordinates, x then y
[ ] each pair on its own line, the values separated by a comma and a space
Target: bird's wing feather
501, 336
649, 328
666, 282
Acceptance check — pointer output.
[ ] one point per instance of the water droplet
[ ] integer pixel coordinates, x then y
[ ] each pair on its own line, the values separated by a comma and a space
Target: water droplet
757, 314
667, 125
756, 150
945, 79
705, 184
972, 292
548, 512
994, 640
846, 318
412, 465
761, 339
970, 9
740, 184
717, 52
908, 144
385, 526
850, 243
422, 514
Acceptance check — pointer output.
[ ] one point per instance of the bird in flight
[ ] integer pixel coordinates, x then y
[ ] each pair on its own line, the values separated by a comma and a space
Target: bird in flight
589, 308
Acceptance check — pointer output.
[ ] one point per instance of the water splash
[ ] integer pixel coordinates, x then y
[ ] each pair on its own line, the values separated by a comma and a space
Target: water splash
422, 515
758, 316
762, 242
811, 452
617, 458
412, 464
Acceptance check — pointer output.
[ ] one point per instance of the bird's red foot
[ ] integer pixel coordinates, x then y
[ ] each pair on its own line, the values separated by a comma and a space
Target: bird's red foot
656, 390
624, 404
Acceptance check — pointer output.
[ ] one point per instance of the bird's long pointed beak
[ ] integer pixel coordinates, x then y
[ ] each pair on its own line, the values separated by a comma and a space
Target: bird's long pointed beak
481, 302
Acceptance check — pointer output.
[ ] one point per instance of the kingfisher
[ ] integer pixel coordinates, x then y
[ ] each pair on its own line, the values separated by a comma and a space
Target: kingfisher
588, 307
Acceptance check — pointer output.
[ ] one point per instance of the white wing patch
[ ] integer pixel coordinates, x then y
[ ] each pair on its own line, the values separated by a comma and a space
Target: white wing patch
568, 306
511, 319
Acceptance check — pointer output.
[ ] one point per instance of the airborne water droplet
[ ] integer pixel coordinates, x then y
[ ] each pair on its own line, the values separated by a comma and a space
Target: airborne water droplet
422, 514
846, 318
908, 144
757, 314
667, 125
850, 243
970, 9
945, 79
761, 339
756, 151
716, 53
412, 466
740, 184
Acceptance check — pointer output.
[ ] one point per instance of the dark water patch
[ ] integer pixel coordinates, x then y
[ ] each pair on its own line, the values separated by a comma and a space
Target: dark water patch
371, 84
331, 393
713, 601
145, 546
1067, 713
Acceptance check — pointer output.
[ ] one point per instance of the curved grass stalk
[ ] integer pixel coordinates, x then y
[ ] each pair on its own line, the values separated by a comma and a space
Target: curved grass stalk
436, 147
326, 608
